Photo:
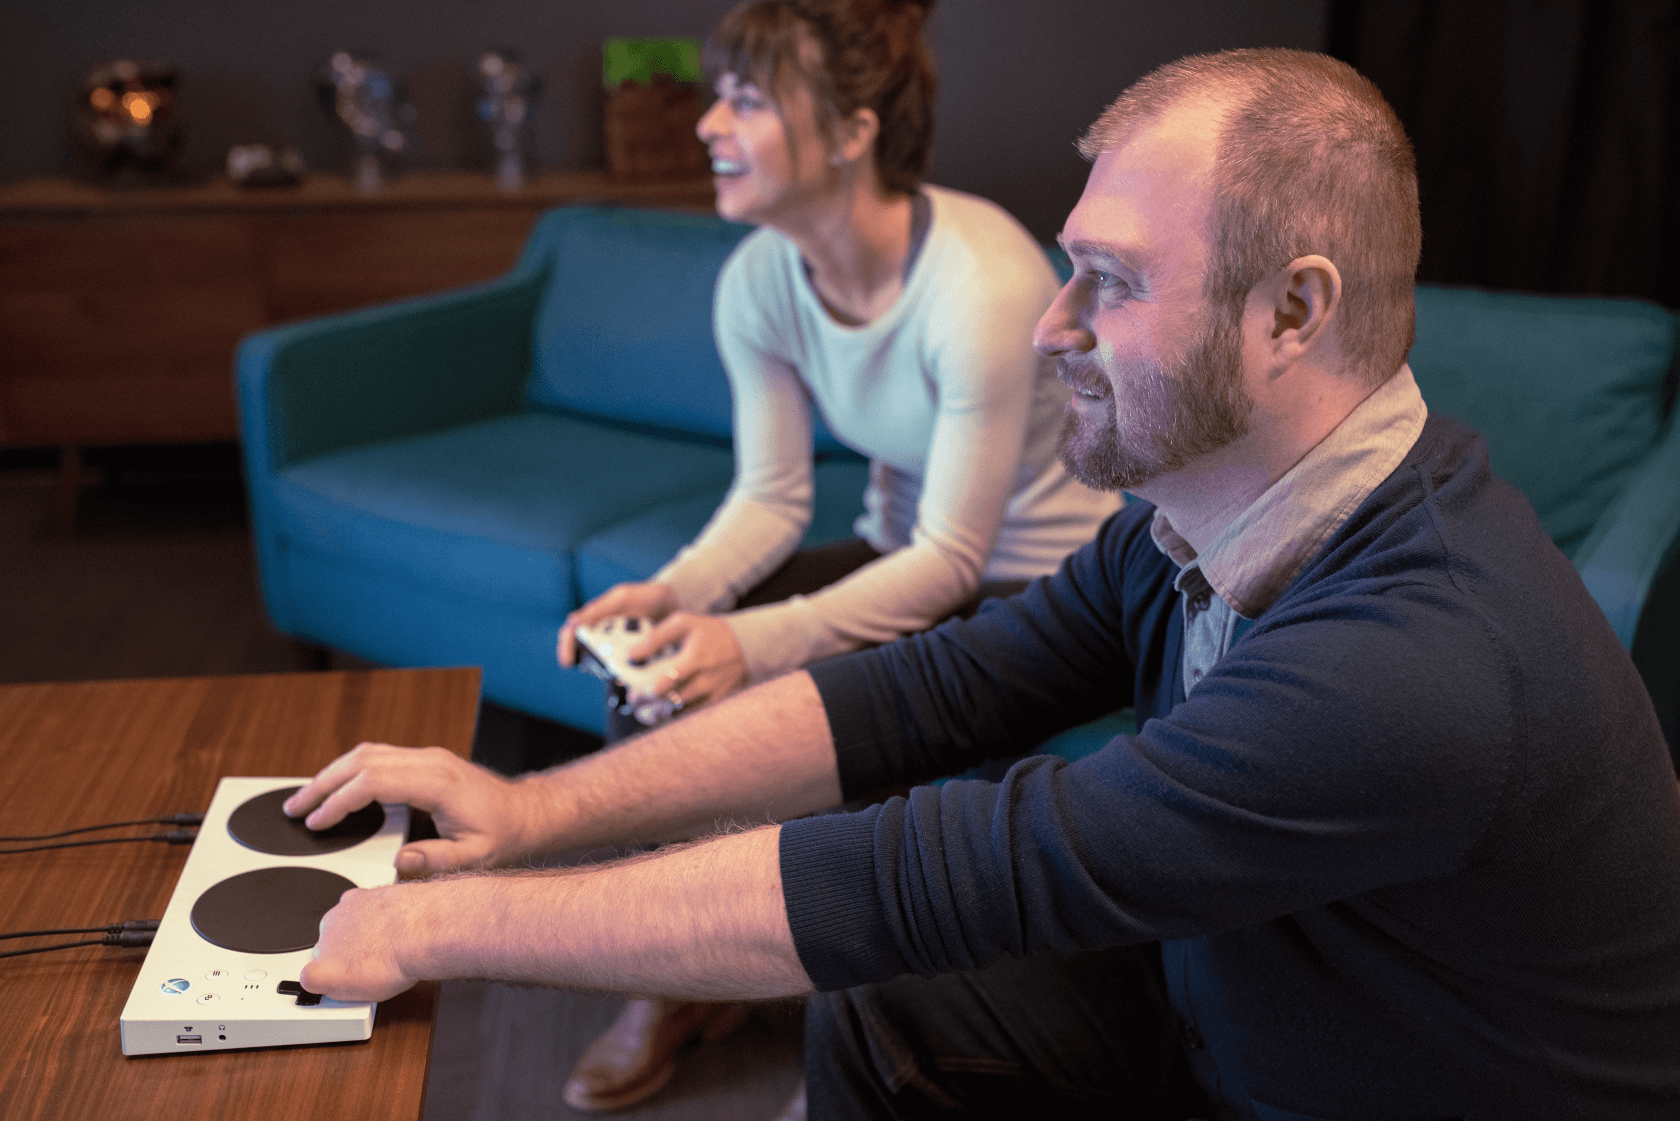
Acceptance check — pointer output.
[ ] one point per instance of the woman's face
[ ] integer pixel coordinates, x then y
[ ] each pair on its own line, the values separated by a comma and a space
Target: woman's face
768, 167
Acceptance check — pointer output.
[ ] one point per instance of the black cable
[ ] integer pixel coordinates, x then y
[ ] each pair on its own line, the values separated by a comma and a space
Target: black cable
167, 819
58, 946
108, 928
173, 837
131, 938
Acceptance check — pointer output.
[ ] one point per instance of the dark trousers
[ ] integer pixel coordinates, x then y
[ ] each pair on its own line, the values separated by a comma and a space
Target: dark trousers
807, 571
1077, 1036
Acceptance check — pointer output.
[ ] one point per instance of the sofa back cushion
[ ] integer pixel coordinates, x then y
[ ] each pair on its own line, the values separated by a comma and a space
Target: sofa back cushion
624, 330
1567, 390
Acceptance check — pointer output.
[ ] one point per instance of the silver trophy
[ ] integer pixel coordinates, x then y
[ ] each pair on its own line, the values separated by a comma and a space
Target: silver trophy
508, 90
355, 87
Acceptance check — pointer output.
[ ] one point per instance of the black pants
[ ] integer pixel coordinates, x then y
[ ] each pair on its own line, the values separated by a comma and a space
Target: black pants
807, 571
1084, 1035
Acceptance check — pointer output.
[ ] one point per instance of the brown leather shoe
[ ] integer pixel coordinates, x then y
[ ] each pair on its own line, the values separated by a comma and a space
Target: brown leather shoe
634, 1059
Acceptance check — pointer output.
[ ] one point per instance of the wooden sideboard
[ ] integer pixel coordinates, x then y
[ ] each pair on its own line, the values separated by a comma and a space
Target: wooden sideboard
120, 310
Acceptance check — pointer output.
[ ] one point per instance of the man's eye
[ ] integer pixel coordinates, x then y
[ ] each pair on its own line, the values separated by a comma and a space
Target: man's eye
744, 103
1104, 280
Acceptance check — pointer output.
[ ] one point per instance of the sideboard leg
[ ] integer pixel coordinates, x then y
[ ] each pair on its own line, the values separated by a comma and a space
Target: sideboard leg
312, 657
69, 489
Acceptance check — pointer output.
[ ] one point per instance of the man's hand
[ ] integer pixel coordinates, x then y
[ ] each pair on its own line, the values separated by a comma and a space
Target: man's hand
364, 941
482, 819
708, 664
706, 921
653, 601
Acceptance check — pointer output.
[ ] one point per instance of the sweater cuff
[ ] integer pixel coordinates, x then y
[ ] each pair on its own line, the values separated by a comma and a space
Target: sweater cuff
776, 638
696, 587
863, 728
833, 904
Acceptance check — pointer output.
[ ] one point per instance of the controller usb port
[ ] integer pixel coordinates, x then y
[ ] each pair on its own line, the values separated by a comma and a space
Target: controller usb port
187, 1039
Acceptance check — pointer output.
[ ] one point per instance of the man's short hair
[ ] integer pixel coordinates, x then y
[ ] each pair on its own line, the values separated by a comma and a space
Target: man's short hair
1311, 159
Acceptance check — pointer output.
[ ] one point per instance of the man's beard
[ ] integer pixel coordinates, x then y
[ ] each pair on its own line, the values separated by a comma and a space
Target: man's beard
1174, 412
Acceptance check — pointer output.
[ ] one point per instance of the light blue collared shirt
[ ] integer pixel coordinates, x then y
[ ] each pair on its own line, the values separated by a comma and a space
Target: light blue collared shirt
1259, 554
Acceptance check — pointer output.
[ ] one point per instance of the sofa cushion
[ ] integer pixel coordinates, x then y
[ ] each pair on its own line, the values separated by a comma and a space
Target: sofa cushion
635, 548
490, 510
625, 328
400, 622
1567, 391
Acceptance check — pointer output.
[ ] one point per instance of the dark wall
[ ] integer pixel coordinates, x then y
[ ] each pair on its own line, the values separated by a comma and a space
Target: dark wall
1020, 78
1547, 136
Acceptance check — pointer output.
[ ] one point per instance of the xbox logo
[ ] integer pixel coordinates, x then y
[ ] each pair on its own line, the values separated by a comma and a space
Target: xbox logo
176, 986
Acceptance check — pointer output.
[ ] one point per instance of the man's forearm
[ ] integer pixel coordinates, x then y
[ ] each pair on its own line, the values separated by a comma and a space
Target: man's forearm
704, 921
763, 755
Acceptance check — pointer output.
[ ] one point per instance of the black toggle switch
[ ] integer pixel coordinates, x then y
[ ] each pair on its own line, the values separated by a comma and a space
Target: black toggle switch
304, 996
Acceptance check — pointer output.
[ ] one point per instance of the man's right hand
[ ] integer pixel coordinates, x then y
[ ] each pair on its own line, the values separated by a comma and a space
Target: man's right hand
482, 818
652, 601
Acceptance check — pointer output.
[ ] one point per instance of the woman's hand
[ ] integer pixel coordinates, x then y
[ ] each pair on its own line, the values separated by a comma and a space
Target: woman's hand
708, 664
652, 601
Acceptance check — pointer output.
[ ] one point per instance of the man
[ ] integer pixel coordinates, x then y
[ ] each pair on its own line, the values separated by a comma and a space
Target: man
1399, 817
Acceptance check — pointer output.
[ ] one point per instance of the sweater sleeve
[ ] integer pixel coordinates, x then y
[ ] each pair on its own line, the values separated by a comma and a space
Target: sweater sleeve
978, 353
768, 506
1213, 817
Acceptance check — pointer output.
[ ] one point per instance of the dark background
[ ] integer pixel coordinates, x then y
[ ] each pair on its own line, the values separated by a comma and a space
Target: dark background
1019, 78
1547, 135
1546, 130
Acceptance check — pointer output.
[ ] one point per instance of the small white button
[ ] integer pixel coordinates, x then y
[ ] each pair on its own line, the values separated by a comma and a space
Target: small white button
255, 974
209, 998
217, 975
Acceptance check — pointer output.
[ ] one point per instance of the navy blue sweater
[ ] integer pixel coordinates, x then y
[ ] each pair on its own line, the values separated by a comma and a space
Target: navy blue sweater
1412, 849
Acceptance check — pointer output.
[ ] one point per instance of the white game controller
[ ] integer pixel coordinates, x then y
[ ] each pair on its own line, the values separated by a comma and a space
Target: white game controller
604, 651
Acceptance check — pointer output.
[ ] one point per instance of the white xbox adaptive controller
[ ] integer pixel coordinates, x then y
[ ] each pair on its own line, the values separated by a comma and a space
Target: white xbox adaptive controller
605, 649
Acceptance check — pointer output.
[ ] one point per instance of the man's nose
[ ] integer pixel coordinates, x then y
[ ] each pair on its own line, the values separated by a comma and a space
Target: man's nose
1060, 329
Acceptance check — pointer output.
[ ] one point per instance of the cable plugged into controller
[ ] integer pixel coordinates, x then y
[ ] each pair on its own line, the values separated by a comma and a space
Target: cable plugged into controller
173, 837
188, 819
133, 934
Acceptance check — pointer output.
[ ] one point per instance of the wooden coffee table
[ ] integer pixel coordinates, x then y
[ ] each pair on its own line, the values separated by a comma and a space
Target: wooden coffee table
82, 754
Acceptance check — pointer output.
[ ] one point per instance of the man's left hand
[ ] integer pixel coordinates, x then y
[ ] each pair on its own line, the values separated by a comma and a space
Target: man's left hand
363, 943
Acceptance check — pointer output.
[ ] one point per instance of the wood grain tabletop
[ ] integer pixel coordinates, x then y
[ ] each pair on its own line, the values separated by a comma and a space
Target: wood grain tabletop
87, 753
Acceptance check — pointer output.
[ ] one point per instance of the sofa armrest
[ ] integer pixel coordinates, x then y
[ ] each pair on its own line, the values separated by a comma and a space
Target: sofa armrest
1625, 551
310, 388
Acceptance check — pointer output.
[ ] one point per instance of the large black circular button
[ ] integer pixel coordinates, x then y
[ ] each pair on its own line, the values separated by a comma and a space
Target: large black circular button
269, 911
259, 823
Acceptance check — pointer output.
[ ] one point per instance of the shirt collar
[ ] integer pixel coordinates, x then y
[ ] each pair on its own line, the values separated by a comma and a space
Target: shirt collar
1260, 554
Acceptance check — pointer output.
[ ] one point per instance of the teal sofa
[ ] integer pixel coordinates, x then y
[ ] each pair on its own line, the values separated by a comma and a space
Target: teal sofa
439, 481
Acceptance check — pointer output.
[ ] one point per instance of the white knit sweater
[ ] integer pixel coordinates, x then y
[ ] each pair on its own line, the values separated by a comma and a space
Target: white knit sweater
942, 392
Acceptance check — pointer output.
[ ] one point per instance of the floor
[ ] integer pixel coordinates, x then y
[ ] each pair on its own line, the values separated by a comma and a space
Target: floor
157, 581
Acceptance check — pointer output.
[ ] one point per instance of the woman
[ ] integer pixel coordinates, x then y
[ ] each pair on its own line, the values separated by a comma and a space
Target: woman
905, 313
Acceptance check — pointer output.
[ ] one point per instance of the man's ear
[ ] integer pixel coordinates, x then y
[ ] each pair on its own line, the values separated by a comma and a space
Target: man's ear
855, 137
1302, 300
